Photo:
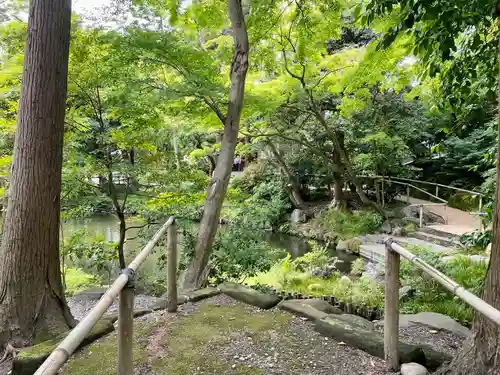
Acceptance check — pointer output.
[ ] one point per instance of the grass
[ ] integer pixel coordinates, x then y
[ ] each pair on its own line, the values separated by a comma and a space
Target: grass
344, 225
77, 280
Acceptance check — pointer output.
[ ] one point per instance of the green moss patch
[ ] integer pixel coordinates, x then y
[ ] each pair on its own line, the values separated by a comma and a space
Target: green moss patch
182, 344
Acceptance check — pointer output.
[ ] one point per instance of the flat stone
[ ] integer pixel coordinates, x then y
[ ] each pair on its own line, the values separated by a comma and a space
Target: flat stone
432, 320
91, 294
356, 320
201, 294
413, 369
249, 295
342, 245
309, 308
372, 342
29, 359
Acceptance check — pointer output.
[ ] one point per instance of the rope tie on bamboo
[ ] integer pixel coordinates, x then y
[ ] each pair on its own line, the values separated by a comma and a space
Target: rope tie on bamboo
130, 273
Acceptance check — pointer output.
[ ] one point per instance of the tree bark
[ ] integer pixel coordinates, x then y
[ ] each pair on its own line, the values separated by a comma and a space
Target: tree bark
480, 354
295, 195
32, 302
220, 179
121, 217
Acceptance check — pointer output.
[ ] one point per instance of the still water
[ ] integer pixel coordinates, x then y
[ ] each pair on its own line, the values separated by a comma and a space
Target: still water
107, 226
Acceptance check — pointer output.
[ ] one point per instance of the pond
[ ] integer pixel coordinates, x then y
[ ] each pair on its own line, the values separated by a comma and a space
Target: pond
107, 226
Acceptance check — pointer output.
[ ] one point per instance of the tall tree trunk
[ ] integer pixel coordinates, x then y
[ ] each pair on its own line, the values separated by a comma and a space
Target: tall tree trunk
220, 179
32, 302
295, 195
340, 201
480, 354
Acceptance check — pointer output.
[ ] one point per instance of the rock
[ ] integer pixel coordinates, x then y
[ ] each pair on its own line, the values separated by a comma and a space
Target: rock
357, 321
28, 360
298, 216
406, 292
398, 231
433, 320
342, 245
386, 227
249, 295
161, 303
374, 273
191, 296
92, 294
309, 308
428, 216
372, 342
324, 272
413, 369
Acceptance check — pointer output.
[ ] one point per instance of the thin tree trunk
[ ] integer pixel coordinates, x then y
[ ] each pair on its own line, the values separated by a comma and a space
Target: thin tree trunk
295, 196
480, 354
121, 217
32, 302
220, 180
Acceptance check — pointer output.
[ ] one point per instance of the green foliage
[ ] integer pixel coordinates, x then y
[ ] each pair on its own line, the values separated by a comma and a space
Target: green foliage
295, 276
77, 280
357, 267
349, 224
477, 239
430, 296
93, 254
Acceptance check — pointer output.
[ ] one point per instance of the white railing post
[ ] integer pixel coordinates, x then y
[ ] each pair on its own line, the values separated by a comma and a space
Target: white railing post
172, 268
421, 216
383, 197
126, 326
391, 307
437, 190
481, 229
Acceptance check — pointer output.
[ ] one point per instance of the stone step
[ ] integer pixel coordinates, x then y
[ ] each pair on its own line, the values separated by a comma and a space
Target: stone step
440, 233
433, 238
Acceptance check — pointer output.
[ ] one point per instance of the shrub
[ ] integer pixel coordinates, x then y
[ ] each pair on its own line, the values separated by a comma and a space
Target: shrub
358, 266
431, 296
77, 280
476, 239
349, 224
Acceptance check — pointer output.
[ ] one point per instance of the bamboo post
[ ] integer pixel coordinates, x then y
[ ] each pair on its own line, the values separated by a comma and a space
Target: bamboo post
71, 342
172, 268
437, 190
421, 216
391, 308
408, 194
126, 326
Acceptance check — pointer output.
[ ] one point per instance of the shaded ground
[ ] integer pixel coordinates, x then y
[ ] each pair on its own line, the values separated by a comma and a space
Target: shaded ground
222, 336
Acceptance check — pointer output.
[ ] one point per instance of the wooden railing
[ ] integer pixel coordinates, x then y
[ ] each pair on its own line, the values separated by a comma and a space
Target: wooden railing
410, 184
394, 252
123, 286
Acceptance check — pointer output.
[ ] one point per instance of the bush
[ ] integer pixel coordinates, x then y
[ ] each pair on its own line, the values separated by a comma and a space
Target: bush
77, 280
288, 275
431, 296
477, 239
358, 266
349, 224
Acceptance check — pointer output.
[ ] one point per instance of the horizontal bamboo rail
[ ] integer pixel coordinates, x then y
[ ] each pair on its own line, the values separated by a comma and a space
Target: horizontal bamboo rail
391, 304
123, 285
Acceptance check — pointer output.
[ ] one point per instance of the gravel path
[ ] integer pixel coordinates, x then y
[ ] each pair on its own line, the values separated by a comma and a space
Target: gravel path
81, 307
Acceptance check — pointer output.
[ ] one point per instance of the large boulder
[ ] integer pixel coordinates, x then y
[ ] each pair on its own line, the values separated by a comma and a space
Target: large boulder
309, 308
413, 369
298, 216
428, 215
356, 320
372, 342
249, 295
29, 359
